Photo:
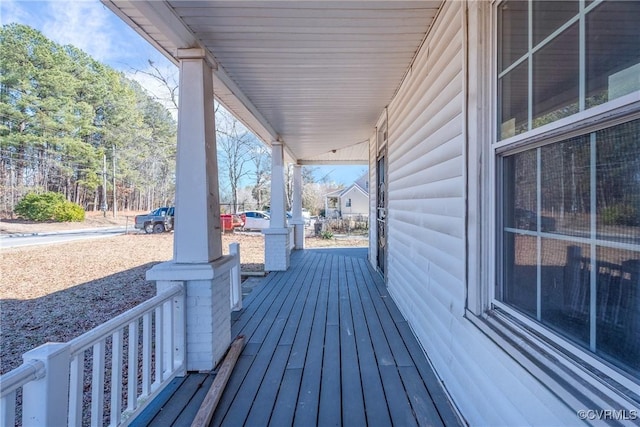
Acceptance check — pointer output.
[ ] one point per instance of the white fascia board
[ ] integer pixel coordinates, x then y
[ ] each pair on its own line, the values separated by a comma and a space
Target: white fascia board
116, 7
332, 162
335, 193
351, 188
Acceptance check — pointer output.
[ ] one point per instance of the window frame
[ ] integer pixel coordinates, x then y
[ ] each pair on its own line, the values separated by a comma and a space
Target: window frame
491, 310
580, 19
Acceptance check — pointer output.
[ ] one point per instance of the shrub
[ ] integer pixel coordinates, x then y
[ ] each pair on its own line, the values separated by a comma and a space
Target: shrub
620, 215
47, 207
68, 212
326, 235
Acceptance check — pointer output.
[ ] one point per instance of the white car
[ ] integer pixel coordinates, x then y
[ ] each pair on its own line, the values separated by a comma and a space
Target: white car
255, 220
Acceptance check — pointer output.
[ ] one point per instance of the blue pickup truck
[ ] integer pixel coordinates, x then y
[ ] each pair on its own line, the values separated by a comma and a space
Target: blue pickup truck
157, 221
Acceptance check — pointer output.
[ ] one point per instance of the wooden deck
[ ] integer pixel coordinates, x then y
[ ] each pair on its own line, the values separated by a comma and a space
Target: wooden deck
326, 346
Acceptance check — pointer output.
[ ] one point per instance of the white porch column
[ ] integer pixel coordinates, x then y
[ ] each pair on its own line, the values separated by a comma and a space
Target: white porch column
197, 237
296, 210
197, 247
276, 237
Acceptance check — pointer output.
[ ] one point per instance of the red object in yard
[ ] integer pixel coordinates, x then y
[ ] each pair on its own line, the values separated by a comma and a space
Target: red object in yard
230, 221
226, 222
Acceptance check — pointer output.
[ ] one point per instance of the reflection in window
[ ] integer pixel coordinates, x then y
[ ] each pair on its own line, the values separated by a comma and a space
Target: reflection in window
555, 83
566, 288
618, 182
573, 272
548, 16
612, 51
520, 272
513, 34
618, 305
520, 193
513, 94
565, 181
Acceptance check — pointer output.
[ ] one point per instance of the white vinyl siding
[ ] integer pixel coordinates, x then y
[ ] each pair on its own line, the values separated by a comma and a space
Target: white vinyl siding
427, 239
426, 205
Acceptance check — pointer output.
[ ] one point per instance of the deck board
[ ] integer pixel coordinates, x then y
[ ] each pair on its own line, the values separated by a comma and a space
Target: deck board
326, 345
377, 413
177, 409
352, 408
285, 405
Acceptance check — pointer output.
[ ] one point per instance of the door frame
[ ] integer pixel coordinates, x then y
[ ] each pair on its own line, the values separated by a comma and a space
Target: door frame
382, 203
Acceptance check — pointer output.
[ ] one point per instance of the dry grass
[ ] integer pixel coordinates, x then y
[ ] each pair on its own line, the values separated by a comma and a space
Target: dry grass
57, 292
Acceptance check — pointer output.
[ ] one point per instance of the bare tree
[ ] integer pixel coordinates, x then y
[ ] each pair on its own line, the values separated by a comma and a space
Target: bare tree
167, 91
235, 150
261, 160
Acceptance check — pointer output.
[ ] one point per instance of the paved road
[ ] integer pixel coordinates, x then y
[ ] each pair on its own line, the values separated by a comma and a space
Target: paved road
15, 241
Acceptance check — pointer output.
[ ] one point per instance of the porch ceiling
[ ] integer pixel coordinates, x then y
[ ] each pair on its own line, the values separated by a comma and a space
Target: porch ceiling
316, 74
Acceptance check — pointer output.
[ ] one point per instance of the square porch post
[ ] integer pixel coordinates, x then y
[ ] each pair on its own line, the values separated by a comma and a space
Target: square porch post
276, 237
197, 249
296, 210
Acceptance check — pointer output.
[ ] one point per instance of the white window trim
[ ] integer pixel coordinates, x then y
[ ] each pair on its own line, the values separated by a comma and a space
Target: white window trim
493, 317
578, 353
613, 112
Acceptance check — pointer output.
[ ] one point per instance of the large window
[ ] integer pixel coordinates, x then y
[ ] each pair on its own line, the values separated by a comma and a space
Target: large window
556, 58
571, 239
569, 208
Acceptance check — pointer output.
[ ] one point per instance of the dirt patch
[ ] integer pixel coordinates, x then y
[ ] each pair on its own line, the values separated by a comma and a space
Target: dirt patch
58, 292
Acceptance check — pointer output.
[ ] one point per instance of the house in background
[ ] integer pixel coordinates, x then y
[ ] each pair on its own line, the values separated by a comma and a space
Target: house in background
479, 121
352, 201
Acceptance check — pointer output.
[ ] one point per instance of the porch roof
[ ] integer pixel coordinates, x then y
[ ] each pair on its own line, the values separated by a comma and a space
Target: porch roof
325, 345
316, 74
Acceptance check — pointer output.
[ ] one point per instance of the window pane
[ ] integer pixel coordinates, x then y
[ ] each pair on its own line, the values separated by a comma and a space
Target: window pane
565, 277
618, 306
556, 78
566, 183
513, 23
618, 183
520, 268
520, 197
612, 51
548, 16
513, 96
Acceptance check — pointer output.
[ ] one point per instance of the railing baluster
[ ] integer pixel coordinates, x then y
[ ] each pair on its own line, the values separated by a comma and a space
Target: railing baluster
179, 328
76, 389
236, 280
169, 359
146, 354
159, 347
97, 384
132, 360
115, 411
8, 409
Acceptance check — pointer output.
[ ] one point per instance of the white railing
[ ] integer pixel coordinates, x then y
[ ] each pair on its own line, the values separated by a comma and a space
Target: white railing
105, 376
86, 380
236, 280
13, 381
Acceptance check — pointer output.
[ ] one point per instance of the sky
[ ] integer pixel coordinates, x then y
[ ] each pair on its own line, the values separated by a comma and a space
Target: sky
91, 27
